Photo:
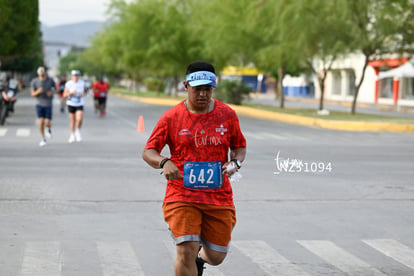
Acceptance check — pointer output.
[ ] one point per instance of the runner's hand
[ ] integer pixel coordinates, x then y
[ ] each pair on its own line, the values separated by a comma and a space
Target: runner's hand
171, 171
229, 168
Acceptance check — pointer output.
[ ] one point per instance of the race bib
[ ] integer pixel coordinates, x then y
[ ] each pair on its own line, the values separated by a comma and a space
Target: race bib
203, 175
75, 99
102, 95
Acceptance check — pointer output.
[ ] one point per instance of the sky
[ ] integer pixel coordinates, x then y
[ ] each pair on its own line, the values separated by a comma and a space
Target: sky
58, 12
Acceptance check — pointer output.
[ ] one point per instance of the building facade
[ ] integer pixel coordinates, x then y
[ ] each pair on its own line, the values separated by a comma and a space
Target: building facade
341, 81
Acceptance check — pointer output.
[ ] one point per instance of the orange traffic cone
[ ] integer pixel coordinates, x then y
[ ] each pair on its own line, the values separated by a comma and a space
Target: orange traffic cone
140, 126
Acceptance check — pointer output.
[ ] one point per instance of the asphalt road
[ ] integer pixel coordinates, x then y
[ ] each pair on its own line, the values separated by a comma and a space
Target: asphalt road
311, 201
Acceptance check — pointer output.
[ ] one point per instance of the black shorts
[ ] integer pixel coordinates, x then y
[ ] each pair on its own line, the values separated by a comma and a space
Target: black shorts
73, 109
100, 100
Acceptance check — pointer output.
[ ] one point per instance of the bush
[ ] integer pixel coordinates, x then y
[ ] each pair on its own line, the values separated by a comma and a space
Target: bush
231, 91
153, 84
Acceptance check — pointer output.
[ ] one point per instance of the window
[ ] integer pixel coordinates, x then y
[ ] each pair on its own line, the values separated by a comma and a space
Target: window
385, 88
407, 87
350, 85
336, 82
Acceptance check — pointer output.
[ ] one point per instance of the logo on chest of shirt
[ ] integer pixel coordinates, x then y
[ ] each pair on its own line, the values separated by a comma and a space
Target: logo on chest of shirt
184, 131
203, 139
221, 129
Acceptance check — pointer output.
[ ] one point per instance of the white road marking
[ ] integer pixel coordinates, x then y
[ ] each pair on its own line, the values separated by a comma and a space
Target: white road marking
393, 249
118, 259
23, 132
42, 259
268, 259
340, 258
127, 121
272, 136
3, 131
264, 135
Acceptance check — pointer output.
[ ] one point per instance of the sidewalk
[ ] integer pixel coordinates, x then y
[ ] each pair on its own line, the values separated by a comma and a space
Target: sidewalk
300, 120
311, 103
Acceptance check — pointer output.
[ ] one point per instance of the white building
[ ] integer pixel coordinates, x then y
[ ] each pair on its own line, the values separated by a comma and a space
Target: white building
340, 83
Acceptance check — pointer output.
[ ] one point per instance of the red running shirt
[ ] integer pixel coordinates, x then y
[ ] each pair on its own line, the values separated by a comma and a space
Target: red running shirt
100, 89
198, 138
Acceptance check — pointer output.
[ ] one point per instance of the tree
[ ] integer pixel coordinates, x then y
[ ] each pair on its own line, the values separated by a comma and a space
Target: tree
244, 32
279, 49
379, 27
131, 47
323, 41
228, 36
71, 61
20, 33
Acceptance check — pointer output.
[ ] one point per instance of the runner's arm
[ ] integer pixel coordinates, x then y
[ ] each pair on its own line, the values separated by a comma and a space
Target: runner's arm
52, 90
154, 158
66, 92
36, 92
238, 153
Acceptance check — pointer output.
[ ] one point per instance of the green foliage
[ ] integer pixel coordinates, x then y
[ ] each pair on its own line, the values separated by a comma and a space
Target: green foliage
130, 46
20, 35
71, 61
154, 84
158, 38
228, 35
231, 91
379, 27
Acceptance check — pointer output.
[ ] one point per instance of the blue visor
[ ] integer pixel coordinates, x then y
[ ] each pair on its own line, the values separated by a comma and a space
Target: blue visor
201, 78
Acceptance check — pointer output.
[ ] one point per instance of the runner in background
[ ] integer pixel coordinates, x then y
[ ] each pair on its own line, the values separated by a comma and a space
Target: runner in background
75, 90
61, 88
43, 88
100, 95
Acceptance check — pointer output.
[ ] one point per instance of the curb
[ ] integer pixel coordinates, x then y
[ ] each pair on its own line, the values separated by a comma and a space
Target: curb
293, 119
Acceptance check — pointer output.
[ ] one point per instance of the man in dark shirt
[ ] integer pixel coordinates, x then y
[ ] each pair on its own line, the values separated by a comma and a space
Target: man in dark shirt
43, 88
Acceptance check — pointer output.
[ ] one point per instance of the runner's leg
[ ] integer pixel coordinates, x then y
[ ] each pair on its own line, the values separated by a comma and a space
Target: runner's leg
185, 261
212, 257
41, 121
79, 118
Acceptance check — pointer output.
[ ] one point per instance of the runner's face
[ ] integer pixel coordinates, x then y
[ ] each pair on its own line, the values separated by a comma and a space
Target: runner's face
41, 73
199, 96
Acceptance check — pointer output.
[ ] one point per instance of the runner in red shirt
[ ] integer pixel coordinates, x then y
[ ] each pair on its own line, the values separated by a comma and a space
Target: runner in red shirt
206, 147
100, 95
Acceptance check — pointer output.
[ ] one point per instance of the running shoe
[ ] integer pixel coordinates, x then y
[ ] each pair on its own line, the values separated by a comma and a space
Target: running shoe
43, 143
71, 138
48, 133
78, 136
200, 266
200, 263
